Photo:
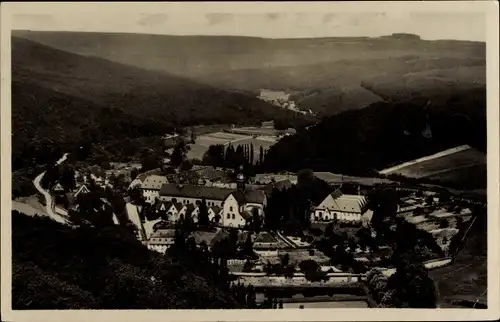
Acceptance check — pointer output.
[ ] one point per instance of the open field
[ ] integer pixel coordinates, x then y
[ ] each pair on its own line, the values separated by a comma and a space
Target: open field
439, 164
203, 142
466, 279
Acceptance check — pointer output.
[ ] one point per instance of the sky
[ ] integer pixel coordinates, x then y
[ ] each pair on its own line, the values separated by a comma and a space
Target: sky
276, 21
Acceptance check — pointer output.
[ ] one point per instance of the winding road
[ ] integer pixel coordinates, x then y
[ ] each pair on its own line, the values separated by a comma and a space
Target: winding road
48, 198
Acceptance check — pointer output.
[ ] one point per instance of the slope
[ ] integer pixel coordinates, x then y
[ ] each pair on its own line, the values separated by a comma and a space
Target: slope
324, 73
139, 92
43, 119
195, 56
384, 134
57, 267
466, 279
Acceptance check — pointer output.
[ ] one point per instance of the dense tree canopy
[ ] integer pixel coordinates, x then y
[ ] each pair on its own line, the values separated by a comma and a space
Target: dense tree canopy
57, 267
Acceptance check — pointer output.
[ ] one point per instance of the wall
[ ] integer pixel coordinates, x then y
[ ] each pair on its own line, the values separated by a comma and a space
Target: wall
298, 280
150, 195
231, 208
236, 261
330, 215
158, 248
264, 253
185, 201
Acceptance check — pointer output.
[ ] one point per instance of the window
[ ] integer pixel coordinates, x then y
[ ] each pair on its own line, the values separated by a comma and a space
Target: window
231, 208
233, 216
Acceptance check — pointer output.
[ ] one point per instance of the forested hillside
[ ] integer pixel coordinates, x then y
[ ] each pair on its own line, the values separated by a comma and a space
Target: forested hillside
57, 267
384, 134
62, 99
328, 75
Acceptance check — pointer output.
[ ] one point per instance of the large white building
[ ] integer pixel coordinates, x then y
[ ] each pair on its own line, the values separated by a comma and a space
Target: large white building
235, 206
161, 240
338, 206
151, 187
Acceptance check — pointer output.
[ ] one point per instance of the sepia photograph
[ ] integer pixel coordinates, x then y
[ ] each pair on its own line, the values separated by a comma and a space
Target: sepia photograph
282, 157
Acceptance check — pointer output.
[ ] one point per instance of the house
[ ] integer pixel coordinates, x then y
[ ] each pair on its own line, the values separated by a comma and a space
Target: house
151, 187
268, 178
186, 210
58, 189
171, 209
207, 237
338, 206
161, 240
138, 181
239, 205
236, 206
82, 190
212, 213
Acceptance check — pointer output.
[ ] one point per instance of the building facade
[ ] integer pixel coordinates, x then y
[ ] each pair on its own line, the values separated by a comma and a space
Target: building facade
341, 207
234, 206
151, 187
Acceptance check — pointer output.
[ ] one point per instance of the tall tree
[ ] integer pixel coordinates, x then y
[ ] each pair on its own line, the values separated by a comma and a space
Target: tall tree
203, 214
193, 135
179, 153
251, 153
261, 155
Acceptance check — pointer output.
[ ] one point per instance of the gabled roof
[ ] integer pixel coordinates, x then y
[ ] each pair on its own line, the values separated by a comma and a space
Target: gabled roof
82, 189
58, 187
205, 236
194, 191
344, 203
190, 208
246, 214
178, 206
166, 204
216, 209
249, 196
154, 182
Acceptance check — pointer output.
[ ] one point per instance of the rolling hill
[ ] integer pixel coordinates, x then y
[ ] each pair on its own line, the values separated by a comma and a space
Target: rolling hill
359, 142
134, 90
194, 56
341, 73
64, 98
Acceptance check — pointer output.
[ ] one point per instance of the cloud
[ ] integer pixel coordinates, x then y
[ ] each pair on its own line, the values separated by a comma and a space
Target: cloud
153, 19
218, 18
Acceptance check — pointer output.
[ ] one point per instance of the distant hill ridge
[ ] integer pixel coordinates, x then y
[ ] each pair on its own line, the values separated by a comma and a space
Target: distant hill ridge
334, 67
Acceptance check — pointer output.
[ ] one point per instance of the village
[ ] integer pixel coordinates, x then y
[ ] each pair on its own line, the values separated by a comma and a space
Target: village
327, 256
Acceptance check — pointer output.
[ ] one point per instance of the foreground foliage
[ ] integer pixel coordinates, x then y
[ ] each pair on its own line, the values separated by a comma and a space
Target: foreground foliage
57, 267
